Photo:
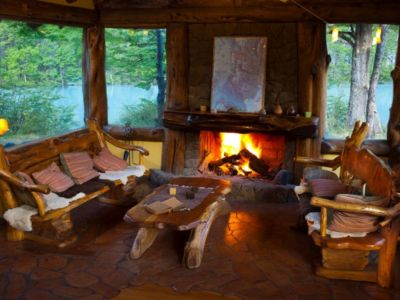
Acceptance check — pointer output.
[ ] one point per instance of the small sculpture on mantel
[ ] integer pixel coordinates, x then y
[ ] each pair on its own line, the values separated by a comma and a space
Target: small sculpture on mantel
278, 111
291, 111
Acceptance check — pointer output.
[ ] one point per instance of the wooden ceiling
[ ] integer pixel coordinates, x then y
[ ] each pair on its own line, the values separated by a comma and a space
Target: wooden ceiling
131, 13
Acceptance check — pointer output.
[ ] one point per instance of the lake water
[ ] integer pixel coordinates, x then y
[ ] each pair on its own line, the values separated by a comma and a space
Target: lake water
117, 95
120, 95
384, 98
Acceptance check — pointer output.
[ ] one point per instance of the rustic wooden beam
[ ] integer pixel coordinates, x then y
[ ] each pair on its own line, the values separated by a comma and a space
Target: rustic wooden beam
312, 71
135, 134
178, 64
97, 77
291, 126
335, 146
177, 95
393, 132
273, 11
41, 12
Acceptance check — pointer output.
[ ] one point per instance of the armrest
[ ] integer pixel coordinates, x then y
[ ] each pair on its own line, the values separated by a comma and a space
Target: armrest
351, 207
123, 145
10, 178
331, 163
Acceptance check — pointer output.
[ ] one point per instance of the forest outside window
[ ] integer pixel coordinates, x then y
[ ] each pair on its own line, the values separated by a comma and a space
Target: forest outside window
359, 83
135, 74
40, 80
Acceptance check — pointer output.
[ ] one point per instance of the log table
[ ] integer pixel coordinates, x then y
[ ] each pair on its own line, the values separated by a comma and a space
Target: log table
198, 219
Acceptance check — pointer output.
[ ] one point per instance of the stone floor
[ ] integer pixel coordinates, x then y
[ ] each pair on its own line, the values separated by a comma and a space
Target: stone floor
250, 254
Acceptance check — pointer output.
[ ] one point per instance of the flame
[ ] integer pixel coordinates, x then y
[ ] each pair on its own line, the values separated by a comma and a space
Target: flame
232, 143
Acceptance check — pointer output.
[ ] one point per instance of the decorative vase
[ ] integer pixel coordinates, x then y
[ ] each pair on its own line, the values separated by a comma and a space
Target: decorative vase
278, 109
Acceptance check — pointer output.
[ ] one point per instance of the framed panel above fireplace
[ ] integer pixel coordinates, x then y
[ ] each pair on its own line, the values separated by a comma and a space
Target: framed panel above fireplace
239, 72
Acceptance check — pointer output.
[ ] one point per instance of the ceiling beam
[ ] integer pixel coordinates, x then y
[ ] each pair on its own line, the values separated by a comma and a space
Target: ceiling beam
41, 12
369, 12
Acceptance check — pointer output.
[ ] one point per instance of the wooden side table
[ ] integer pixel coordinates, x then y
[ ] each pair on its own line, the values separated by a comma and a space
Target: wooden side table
198, 220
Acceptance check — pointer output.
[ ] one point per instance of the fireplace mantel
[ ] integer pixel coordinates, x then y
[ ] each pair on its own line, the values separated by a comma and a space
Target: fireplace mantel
239, 122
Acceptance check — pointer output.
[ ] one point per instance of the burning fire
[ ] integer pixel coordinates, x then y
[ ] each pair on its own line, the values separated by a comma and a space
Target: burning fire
233, 143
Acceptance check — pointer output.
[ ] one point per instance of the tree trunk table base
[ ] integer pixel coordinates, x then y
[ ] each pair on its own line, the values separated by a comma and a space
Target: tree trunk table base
198, 219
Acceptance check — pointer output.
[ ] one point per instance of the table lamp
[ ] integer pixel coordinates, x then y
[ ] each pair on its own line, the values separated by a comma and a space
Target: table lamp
3, 126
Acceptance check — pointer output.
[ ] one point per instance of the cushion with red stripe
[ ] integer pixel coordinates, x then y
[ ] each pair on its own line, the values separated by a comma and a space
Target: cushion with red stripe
106, 161
79, 166
328, 188
355, 222
53, 177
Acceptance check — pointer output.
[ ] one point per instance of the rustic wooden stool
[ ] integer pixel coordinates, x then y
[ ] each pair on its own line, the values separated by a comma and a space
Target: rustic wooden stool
198, 220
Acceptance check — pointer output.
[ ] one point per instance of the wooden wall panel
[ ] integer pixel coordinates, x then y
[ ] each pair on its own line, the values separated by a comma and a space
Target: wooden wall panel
313, 66
177, 95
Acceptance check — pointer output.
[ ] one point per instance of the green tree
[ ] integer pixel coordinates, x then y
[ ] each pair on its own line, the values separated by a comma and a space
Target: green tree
136, 57
34, 62
143, 114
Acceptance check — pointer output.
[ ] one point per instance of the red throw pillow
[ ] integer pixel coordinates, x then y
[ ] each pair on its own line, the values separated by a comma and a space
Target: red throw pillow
328, 188
22, 194
352, 222
105, 161
53, 177
79, 166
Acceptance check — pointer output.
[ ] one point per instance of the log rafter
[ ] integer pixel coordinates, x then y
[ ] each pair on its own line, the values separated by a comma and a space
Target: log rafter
41, 12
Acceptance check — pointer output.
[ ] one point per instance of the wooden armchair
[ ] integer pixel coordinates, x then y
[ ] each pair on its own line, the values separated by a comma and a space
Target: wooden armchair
346, 258
357, 137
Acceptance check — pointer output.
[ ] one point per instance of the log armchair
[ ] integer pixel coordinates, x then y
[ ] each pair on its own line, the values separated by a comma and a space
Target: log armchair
314, 171
348, 257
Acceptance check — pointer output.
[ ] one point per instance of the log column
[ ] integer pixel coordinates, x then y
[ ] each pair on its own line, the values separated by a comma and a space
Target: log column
177, 95
312, 77
393, 132
94, 76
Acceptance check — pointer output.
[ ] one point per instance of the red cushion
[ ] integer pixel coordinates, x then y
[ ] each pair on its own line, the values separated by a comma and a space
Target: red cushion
328, 188
105, 161
352, 222
53, 177
79, 166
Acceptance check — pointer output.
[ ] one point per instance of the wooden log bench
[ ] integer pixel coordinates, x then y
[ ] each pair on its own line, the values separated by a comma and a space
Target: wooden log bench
54, 227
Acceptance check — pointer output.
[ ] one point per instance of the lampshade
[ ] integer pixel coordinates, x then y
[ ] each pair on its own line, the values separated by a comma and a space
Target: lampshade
3, 126
335, 34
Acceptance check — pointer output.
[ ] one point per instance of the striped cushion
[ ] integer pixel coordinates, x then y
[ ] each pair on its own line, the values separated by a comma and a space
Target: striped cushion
352, 222
79, 166
53, 177
105, 161
23, 195
328, 188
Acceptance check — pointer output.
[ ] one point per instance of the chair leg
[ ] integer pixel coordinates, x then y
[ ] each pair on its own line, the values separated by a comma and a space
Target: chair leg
387, 254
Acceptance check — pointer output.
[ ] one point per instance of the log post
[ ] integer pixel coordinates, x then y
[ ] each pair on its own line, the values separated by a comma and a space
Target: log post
97, 79
7, 200
313, 62
177, 95
393, 132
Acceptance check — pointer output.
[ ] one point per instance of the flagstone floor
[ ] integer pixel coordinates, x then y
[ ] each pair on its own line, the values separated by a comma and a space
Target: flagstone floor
250, 254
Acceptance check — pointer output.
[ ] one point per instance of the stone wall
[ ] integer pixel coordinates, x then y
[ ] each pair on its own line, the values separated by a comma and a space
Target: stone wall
281, 77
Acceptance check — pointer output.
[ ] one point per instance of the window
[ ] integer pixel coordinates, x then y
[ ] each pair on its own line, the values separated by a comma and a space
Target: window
135, 73
40, 80
359, 82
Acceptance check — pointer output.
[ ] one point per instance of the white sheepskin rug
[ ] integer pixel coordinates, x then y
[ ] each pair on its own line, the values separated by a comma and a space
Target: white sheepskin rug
123, 175
20, 217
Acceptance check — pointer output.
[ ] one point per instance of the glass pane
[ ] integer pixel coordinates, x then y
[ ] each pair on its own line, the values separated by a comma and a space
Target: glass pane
135, 73
40, 80
352, 93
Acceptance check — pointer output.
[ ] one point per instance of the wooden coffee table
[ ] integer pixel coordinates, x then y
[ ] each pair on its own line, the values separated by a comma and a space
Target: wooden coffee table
198, 219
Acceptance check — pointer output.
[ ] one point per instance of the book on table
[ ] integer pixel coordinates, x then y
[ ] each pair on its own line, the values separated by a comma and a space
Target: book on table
166, 206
